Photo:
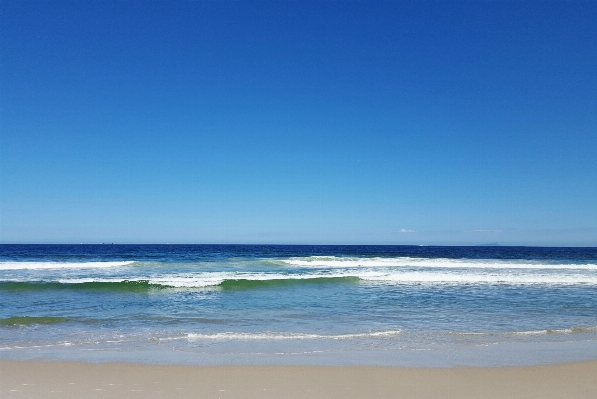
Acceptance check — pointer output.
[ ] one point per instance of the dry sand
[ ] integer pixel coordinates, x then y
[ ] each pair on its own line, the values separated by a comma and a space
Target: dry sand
37, 379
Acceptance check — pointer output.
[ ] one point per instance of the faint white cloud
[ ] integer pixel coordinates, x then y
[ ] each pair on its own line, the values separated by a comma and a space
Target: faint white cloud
407, 231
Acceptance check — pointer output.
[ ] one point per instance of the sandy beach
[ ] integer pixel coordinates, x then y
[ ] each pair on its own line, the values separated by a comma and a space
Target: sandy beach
38, 379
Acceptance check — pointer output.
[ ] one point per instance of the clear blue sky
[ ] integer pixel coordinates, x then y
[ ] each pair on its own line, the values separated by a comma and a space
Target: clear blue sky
298, 122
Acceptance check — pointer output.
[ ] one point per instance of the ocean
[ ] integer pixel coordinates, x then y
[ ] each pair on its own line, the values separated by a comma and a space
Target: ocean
427, 306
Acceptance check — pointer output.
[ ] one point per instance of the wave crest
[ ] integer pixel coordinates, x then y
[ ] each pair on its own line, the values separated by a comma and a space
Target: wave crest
352, 262
60, 265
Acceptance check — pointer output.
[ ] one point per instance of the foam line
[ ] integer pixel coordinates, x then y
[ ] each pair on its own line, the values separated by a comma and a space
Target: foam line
286, 336
60, 265
342, 262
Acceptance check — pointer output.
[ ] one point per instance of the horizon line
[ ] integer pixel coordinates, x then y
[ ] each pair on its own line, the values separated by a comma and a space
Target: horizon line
488, 245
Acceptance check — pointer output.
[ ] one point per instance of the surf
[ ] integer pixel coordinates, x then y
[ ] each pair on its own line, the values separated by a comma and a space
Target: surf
113, 286
61, 265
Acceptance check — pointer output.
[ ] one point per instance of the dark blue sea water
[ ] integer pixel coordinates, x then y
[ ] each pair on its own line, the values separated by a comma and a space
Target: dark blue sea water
264, 304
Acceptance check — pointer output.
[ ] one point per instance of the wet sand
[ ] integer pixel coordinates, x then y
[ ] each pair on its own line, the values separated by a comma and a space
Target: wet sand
39, 379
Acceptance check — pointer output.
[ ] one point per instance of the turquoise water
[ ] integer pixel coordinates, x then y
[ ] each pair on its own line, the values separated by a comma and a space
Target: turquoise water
433, 306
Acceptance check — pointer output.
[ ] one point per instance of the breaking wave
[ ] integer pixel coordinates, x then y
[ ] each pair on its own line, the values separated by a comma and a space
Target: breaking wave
259, 280
141, 286
348, 262
60, 265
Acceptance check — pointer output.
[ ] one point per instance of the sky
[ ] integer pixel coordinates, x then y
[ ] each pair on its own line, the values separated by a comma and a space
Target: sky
298, 122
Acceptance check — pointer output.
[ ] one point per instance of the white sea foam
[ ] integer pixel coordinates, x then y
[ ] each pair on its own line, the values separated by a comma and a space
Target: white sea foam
481, 278
60, 265
387, 275
205, 279
216, 278
555, 331
229, 336
346, 262
468, 334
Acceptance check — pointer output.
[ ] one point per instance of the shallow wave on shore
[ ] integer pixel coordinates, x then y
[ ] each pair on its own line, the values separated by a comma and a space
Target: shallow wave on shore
270, 335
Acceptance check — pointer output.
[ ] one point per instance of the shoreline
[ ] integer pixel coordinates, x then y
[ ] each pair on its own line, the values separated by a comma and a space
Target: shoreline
65, 379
